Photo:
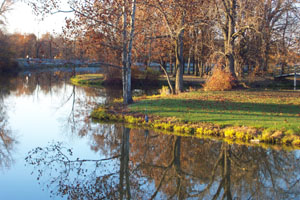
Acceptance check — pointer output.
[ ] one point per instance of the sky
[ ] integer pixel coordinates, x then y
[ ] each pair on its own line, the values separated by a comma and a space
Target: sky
21, 19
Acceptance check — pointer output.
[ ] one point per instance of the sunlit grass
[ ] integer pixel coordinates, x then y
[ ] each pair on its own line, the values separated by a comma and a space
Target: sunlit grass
87, 79
259, 109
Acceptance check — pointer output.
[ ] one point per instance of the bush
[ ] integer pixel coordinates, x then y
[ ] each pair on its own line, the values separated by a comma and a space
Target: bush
151, 74
113, 76
145, 77
220, 81
164, 91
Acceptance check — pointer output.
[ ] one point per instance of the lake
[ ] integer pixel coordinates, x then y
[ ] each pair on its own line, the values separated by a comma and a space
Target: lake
51, 149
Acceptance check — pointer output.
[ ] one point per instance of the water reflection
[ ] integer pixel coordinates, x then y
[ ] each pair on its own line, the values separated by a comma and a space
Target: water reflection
128, 163
43, 87
79, 178
7, 140
141, 164
55, 85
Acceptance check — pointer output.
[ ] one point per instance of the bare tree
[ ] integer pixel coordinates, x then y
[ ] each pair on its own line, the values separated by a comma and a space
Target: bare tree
5, 6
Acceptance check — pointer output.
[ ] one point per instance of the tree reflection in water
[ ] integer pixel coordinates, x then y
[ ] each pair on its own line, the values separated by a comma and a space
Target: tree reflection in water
7, 141
141, 164
83, 178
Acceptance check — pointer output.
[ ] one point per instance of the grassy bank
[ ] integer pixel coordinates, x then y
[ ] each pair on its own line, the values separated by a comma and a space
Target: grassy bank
257, 116
93, 80
88, 79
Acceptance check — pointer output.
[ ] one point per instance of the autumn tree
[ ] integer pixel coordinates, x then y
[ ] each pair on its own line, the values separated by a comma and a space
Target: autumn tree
175, 17
227, 18
102, 18
7, 62
279, 18
253, 31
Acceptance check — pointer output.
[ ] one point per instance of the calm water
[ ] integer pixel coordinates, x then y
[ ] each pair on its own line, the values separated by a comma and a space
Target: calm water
50, 149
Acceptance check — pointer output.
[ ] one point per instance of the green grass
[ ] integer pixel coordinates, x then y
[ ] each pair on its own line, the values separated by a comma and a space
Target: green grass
88, 79
258, 109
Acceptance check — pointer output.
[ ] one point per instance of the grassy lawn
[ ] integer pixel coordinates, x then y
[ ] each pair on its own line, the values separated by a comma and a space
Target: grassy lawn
87, 79
259, 109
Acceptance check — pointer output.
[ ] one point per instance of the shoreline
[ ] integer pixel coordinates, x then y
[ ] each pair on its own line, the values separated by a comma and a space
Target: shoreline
235, 134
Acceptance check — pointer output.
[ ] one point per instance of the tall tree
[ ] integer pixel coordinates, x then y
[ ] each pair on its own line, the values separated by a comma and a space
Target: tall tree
229, 17
112, 23
277, 17
175, 17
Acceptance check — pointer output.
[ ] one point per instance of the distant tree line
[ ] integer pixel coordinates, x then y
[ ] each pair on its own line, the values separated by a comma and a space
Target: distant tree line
18, 45
47, 46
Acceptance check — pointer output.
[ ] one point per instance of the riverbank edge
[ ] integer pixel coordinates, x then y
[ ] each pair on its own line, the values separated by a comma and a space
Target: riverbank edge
119, 113
87, 80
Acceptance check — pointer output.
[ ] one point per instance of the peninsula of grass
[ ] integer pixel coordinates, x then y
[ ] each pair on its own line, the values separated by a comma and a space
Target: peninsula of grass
88, 79
256, 116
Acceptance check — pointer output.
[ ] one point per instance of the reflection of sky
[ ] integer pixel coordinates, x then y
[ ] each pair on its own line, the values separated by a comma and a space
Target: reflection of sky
37, 120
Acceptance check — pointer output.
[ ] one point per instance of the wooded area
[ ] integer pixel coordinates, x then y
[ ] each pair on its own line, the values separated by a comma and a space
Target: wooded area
244, 37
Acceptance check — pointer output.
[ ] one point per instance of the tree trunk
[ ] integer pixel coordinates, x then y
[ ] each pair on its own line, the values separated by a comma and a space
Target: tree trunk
132, 28
202, 69
227, 172
228, 32
124, 165
168, 77
266, 55
189, 62
149, 54
50, 48
196, 63
179, 57
171, 63
124, 57
179, 65
127, 54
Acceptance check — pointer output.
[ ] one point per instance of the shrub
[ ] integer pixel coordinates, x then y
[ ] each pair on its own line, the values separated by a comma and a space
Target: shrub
296, 142
113, 76
100, 114
164, 91
151, 74
199, 131
158, 126
229, 133
240, 135
168, 126
136, 73
144, 77
208, 132
189, 130
220, 81
179, 129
